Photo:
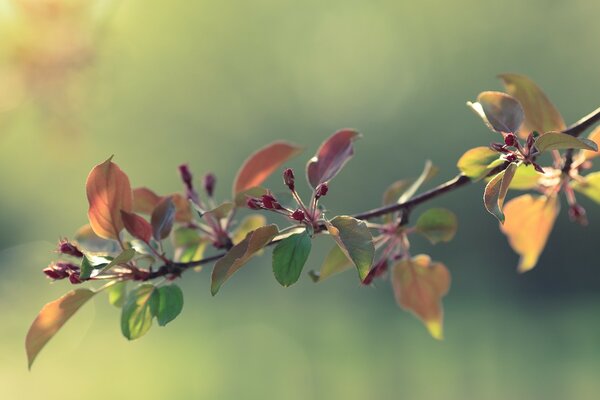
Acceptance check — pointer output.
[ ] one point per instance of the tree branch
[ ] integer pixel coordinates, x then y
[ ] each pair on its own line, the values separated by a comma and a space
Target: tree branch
576, 129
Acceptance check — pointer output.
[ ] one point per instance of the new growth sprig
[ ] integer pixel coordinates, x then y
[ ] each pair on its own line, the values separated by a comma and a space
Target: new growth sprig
139, 238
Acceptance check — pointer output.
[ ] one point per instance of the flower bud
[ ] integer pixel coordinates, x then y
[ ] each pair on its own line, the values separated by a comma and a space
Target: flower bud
209, 182
298, 215
270, 202
578, 214
499, 147
74, 278
288, 178
253, 203
510, 140
186, 175
52, 274
68, 248
511, 158
321, 190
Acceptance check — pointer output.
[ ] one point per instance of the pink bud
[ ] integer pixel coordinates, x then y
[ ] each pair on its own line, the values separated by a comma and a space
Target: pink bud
68, 248
209, 182
510, 140
186, 175
288, 178
253, 203
578, 214
74, 278
298, 215
270, 202
321, 190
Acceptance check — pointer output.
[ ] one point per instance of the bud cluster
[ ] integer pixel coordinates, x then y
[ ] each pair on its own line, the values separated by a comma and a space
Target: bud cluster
67, 248
61, 270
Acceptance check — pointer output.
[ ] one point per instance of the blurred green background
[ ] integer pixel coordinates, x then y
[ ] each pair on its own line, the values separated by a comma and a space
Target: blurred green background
158, 83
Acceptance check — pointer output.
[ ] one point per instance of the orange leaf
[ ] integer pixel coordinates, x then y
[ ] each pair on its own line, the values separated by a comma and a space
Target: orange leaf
419, 285
183, 211
137, 226
51, 318
145, 200
257, 168
529, 221
108, 192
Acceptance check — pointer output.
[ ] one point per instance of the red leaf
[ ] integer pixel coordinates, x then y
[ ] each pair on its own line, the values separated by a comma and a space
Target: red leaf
137, 226
331, 157
108, 192
257, 168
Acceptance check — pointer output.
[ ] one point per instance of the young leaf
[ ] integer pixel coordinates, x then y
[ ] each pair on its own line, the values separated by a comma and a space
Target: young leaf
437, 225
108, 192
528, 224
145, 200
86, 269
594, 137
248, 224
500, 111
289, 257
335, 261
540, 113
239, 255
117, 293
559, 141
123, 258
221, 211
393, 192
170, 304
51, 318
162, 218
183, 209
189, 245
139, 309
526, 177
137, 226
355, 240
477, 162
260, 165
419, 285
495, 192
429, 171
90, 243
589, 186
331, 157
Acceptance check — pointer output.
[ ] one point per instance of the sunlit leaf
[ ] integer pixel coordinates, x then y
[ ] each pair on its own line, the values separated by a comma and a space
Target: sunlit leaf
495, 191
526, 177
477, 162
499, 111
594, 137
162, 218
221, 211
559, 141
260, 165
437, 225
138, 311
239, 255
137, 226
145, 200
248, 224
529, 221
51, 318
419, 286
289, 257
123, 258
189, 245
335, 261
183, 210
108, 192
589, 186
90, 243
331, 157
355, 240
540, 113
117, 293
429, 171
86, 269
170, 304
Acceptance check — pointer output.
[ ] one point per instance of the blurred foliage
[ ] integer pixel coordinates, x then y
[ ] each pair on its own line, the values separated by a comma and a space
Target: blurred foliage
207, 82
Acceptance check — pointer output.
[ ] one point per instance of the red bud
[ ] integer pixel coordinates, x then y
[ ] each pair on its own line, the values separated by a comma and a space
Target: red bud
298, 215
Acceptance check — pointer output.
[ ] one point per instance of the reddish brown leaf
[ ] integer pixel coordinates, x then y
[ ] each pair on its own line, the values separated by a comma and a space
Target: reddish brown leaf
419, 285
145, 200
260, 165
137, 226
162, 218
108, 192
183, 210
331, 157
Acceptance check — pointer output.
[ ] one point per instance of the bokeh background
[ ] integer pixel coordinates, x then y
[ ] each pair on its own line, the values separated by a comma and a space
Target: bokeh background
207, 82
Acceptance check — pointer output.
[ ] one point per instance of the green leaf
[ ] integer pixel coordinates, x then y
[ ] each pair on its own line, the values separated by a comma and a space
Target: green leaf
117, 293
355, 240
86, 269
289, 257
499, 111
495, 192
219, 212
170, 304
394, 191
589, 186
437, 225
526, 177
248, 224
123, 258
540, 113
51, 318
189, 245
239, 255
477, 162
335, 261
429, 171
560, 141
139, 309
